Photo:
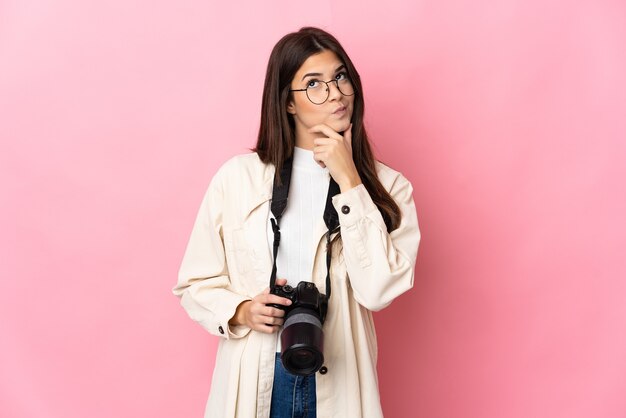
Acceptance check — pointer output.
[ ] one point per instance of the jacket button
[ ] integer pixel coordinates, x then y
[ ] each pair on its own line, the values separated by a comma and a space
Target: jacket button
345, 209
220, 329
324, 369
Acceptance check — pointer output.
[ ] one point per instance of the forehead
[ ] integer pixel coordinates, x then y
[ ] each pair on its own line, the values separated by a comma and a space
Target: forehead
324, 62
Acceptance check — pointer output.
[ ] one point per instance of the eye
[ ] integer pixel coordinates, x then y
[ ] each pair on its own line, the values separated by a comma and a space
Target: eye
313, 84
341, 76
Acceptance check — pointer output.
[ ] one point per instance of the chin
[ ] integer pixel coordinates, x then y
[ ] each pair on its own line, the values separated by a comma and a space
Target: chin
340, 125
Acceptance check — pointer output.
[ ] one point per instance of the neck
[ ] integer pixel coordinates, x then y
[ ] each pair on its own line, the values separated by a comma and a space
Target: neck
305, 139
307, 145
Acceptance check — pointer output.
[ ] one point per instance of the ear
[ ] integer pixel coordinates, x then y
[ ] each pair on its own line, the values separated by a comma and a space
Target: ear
291, 108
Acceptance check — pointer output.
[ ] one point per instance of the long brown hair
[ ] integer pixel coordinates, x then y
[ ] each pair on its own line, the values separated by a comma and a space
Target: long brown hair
277, 131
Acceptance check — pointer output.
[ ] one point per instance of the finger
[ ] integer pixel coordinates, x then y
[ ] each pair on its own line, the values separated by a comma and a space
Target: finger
262, 317
267, 310
326, 130
265, 299
256, 308
273, 312
281, 282
322, 153
324, 141
267, 329
319, 158
270, 320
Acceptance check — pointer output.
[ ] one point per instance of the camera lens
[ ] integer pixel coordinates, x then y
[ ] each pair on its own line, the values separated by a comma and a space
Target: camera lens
303, 358
302, 342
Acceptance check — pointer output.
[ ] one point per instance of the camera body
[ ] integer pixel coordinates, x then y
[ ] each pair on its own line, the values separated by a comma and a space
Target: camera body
302, 339
305, 296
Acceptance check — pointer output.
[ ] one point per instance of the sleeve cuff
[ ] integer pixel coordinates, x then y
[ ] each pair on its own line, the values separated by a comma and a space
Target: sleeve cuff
224, 329
353, 205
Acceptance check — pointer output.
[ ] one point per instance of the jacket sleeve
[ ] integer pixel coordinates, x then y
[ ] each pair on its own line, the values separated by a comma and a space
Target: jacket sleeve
380, 265
203, 282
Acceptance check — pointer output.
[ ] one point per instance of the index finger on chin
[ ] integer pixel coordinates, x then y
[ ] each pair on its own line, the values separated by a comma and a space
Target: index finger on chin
326, 130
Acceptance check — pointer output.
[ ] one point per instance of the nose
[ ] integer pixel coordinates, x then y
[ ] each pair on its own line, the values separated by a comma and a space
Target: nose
333, 90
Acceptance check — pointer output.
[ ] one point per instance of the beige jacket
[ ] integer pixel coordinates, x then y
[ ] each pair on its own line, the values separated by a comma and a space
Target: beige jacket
228, 260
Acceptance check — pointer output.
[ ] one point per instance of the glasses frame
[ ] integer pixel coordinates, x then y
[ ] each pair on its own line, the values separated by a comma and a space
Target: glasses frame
327, 90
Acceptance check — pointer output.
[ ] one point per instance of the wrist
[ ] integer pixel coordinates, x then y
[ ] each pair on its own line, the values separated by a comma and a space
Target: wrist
239, 318
349, 183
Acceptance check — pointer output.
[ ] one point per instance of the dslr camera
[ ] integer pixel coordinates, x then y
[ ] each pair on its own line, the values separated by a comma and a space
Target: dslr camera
302, 339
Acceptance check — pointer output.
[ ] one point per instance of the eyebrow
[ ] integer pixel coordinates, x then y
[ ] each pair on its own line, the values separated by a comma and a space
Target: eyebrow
341, 67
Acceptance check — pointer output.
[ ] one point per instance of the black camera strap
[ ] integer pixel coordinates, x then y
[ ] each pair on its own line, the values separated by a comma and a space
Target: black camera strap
331, 219
280, 194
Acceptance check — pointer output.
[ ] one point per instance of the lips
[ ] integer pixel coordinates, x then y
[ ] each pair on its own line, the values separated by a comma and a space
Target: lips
339, 109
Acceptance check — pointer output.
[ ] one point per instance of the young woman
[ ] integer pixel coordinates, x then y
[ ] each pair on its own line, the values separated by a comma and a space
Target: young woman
312, 139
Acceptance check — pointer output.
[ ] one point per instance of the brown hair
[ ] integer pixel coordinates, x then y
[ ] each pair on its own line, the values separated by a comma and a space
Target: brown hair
277, 131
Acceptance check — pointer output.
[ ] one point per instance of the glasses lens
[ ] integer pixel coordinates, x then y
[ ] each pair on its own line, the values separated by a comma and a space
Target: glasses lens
345, 87
317, 94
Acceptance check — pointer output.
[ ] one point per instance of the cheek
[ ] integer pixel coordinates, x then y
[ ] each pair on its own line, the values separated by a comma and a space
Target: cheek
351, 107
312, 113
304, 106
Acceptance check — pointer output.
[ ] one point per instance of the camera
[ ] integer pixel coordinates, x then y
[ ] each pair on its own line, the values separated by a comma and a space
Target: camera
302, 339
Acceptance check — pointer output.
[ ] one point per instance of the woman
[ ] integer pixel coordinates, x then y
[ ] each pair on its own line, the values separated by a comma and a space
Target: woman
311, 132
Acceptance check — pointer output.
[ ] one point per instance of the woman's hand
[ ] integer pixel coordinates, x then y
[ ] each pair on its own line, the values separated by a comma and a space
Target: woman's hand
259, 317
335, 152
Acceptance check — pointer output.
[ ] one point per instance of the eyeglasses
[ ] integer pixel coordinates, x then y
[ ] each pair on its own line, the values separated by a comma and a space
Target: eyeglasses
318, 91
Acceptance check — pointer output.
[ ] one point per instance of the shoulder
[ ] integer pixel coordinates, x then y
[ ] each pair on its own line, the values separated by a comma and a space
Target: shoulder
242, 176
242, 163
243, 167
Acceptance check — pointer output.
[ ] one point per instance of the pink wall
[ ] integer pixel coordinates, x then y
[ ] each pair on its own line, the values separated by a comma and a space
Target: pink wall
508, 117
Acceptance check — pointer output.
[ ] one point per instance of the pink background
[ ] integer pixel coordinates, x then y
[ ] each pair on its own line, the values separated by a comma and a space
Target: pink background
508, 117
